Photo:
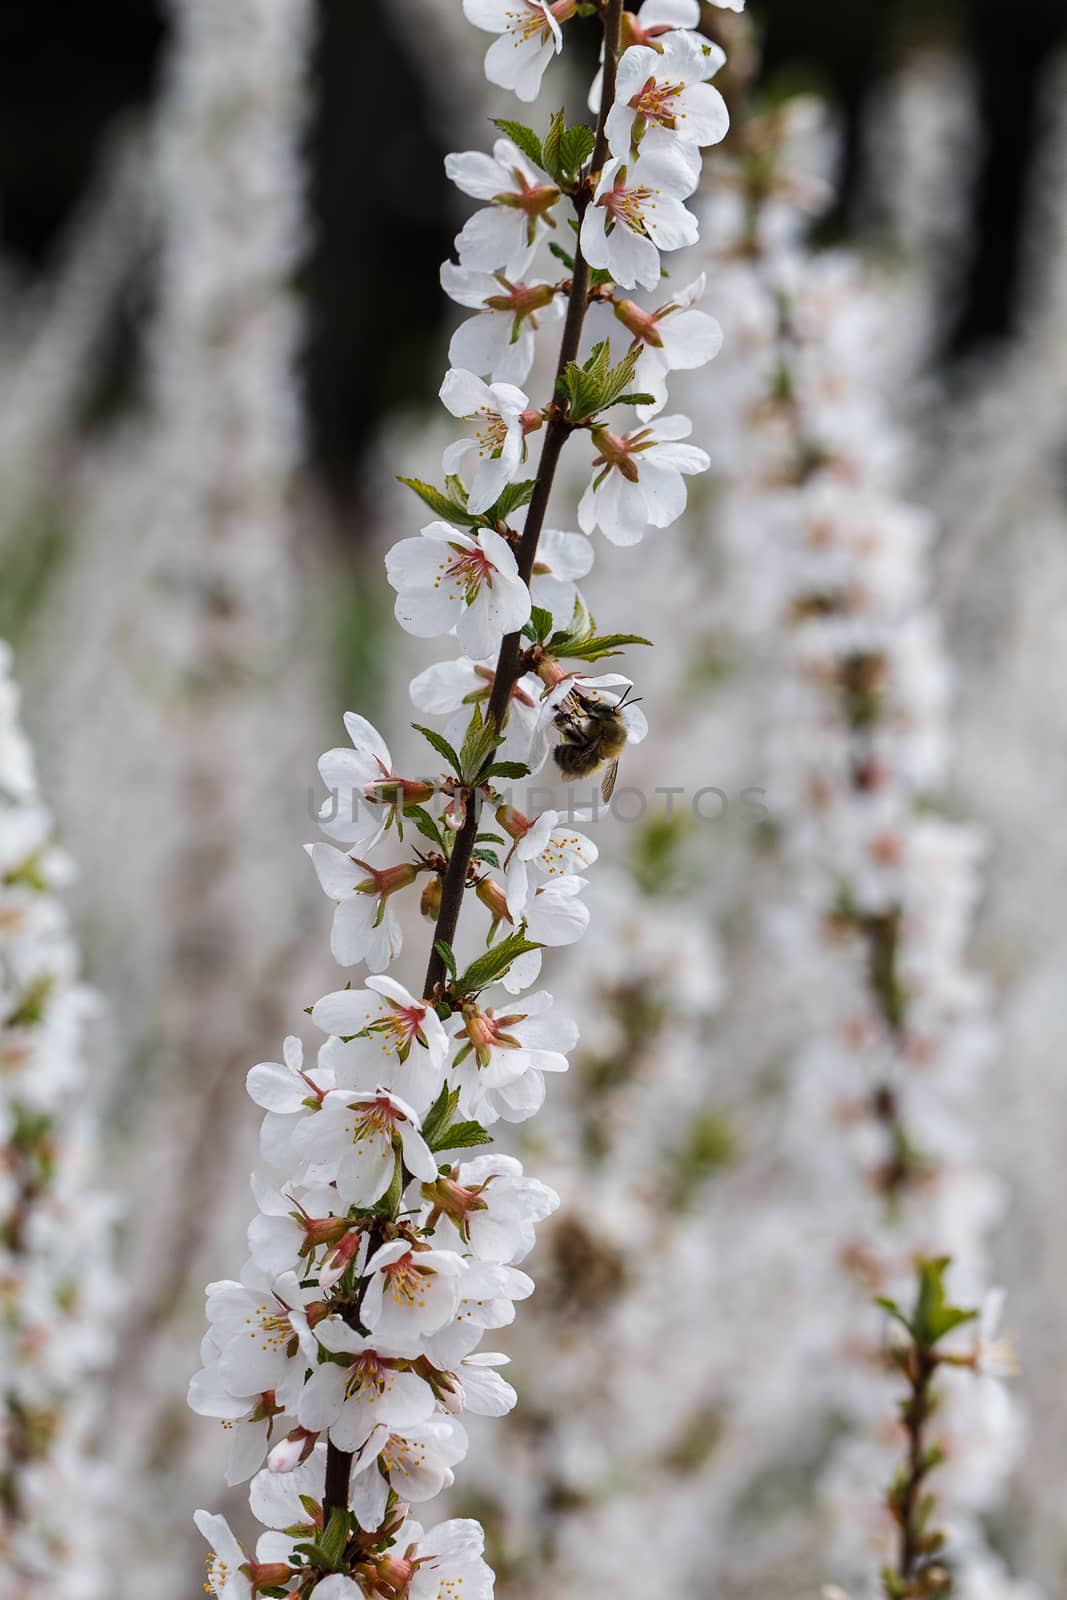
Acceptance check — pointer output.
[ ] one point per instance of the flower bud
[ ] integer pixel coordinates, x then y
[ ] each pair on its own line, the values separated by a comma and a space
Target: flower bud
430, 899
292, 1450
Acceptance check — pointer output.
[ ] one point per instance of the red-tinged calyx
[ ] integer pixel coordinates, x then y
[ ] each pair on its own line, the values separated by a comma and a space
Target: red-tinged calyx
449, 1198
616, 452
521, 299
534, 199
644, 325
531, 420
513, 822
268, 1574
396, 791
633, 33
319, 1231
487, 1032
493, 897
339, 1259
384, 881
266, 1408
393, 1573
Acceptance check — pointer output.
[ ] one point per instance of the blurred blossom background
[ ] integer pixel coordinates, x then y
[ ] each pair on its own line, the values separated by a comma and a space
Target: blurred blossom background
221, 336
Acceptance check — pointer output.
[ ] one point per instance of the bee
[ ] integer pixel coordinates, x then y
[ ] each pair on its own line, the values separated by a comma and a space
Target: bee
592, 732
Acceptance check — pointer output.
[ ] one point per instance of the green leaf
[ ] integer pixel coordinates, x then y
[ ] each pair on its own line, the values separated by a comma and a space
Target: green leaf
479, 742
575, 148
461, 1136
493, 964
426, 825
524, 137
440, 1114
550, 149
490, 857
442, 504
593, 647
447, 955
508, 769
442, 746
639, 399
540, 624
335, 1538
562, 255
514, 496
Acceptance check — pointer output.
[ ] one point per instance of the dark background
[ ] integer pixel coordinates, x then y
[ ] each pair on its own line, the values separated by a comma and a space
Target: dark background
66, 80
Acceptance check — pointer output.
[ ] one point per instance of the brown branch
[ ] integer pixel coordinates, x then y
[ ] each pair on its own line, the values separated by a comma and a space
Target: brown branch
508, 668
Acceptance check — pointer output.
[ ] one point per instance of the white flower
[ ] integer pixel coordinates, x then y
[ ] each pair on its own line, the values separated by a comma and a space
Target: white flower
503, 235
351, 1140
491, 460
350, 1400
261, 1332
481, 1390
636, 212
490, 1289
248, 1421
447, 1561
640, 481
224, 1576
555, 915
499, 342
656, 19
416, 1461
276, 1498
544, 845
292, 1226
453, 686
392, 1039
529, 37
561, 557
662, 104
493, 1206
365, 926
499, 1061
673, 338
287, 1094
411, 1294
365, 792
447, 579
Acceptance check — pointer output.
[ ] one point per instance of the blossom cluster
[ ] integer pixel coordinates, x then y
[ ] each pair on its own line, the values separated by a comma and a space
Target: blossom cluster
871, 942
343, 1358
56, 1294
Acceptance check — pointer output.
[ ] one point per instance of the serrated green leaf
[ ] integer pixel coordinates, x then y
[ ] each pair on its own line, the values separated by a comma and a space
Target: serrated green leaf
594, 647
490, 857
461, 1136
540, 624
524, 137
634, 400
550, 148
425, 824
440, 1114
514, 496
479, 742
493, 964
508, 769
451, 510
575, 148
447, 955
442, 746
561, 255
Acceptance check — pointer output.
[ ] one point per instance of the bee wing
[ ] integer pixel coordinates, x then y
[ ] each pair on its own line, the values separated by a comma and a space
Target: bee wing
607, 788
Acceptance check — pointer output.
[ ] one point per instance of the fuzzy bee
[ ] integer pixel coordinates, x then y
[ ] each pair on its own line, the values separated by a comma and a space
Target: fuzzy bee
592, 732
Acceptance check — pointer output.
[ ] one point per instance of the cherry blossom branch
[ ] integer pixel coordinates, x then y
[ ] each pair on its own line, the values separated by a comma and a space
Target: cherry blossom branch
509, 665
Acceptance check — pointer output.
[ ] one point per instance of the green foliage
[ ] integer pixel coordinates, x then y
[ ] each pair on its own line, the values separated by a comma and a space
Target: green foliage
447, 956
932, 1316
461, 1136
443, 505
524, 137
493, 964
443, 748
479, 742
596, 384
